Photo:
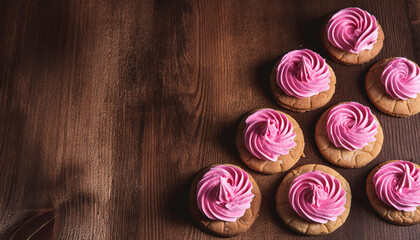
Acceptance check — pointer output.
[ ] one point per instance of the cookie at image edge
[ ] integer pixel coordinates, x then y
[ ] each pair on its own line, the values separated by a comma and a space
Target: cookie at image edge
380, 98
386, 212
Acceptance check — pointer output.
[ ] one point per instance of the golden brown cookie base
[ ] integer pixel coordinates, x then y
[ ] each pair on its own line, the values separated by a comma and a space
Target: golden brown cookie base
222, 228
348, 58
292, 219
380, 98
386, 212
343, 157
301, 104
283, 163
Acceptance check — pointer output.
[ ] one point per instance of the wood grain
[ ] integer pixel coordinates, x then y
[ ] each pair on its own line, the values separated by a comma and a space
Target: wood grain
109, 108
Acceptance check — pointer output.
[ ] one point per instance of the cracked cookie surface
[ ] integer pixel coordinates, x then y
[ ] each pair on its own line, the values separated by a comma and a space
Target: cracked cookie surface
380, 98
283, 163
292, 219
386, 212
223, 228
343, 157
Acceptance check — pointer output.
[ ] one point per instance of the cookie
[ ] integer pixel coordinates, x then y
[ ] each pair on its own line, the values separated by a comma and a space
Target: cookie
341, 156
219, 227
344, 48
280, 163
387, 212
385, 102
303, 102
293, 220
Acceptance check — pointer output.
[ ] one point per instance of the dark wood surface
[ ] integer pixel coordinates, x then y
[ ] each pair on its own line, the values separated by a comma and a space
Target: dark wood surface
108, 109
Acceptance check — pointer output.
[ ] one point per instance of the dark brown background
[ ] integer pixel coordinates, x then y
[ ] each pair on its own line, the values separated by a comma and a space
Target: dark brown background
108, 109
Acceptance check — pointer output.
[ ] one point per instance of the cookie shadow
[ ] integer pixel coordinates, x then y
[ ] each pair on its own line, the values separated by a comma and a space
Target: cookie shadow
310, 33
273, 210
365, 201
262, 77
226, 139
178, 199
312, 132
362, 81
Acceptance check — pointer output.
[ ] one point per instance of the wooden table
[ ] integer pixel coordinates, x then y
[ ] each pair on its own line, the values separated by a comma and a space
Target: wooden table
108, 109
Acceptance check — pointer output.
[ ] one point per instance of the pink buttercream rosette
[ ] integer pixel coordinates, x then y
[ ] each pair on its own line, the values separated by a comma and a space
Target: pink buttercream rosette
224, 193
303, 73
353, 30
401, 79
397, 184
268, 134
351, 126
317, 197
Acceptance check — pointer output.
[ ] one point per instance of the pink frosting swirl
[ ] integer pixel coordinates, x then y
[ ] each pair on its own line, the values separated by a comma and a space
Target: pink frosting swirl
397, 184
303, 73
401, 78
351, 126
352, 30
269, 134
224, 193
317, 197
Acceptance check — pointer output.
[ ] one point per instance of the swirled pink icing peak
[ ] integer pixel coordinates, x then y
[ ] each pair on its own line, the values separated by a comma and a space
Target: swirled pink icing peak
352, 30
401, 78
351, 126
268, 134
397, 184
317, 197
303, 73
224, 193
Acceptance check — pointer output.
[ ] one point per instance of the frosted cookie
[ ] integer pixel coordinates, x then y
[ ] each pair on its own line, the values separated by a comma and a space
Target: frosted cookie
393, 86
302, 81
269, 141
393, 189
349, 135
352, 36
224, 200
313, 200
